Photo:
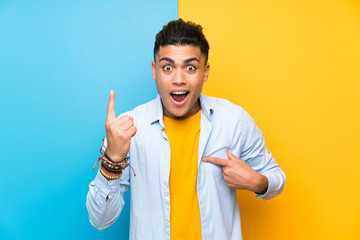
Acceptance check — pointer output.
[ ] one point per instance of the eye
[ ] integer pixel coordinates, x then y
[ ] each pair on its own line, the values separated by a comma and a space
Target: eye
190, 68
167, 68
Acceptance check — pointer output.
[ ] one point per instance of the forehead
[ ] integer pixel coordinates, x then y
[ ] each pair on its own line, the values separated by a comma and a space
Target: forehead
179, 52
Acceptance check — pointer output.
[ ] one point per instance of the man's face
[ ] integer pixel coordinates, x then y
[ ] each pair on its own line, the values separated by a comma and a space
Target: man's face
179, 73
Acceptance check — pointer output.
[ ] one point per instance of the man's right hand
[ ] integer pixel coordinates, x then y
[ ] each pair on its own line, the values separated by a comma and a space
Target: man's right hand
119, 132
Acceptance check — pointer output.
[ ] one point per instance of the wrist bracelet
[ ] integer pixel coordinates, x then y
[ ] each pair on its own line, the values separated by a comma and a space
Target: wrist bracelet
122, 164
108, 174
109, 165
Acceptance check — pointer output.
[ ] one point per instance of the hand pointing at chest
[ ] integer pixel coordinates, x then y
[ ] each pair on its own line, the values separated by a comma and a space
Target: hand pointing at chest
238, 174
119, 132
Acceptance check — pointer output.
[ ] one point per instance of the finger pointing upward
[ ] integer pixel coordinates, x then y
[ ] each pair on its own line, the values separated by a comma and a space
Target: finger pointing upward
111, 107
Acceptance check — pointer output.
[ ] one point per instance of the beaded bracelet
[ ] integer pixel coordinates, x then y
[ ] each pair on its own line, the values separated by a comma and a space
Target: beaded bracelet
115, 165
109, 165
109, 174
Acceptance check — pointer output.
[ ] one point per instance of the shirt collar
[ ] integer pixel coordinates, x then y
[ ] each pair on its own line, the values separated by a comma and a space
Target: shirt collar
157, 114
205, 106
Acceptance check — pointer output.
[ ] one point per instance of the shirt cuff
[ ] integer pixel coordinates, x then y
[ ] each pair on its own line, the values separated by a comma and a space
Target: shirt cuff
106, 187
271, 190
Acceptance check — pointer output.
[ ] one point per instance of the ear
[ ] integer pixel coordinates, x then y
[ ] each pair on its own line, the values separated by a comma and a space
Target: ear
153, 68
206, 73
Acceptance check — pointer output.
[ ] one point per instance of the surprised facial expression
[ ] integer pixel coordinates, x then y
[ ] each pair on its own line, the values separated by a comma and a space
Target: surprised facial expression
180, 72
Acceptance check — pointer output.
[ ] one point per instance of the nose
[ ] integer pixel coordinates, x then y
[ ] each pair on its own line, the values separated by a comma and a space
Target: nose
179, 78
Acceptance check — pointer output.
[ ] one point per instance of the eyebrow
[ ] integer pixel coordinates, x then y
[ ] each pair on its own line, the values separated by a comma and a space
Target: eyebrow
172, 61
166, 59
191, 59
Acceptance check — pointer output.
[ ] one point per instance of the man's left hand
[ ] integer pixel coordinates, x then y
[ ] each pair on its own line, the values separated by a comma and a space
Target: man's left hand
239, 175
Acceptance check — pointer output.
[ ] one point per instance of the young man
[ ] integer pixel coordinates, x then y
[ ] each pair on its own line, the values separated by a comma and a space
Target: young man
190, 152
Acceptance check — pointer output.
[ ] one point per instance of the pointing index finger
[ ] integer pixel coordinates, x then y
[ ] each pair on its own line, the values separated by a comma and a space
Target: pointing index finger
215, 160
111, 107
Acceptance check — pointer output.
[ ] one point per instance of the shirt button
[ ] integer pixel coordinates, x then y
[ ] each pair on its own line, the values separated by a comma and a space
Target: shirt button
102, 209
107, 187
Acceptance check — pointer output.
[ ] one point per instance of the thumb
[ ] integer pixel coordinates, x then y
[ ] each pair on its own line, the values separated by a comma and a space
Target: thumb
230, 155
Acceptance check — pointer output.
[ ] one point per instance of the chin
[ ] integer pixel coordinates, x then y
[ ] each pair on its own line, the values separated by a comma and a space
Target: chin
177, 114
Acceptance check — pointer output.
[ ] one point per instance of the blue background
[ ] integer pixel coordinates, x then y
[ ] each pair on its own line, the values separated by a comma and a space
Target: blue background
58, 62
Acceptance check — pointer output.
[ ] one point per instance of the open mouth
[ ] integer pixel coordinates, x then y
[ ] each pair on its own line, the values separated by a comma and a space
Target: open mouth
179, 96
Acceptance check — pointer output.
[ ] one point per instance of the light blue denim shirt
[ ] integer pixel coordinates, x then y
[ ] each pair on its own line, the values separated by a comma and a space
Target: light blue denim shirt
223, 126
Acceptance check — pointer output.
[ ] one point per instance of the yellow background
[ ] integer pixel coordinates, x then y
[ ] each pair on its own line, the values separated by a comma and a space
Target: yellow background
294, 66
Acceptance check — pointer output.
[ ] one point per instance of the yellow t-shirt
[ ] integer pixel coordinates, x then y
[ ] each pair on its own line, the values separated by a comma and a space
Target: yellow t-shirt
184, 136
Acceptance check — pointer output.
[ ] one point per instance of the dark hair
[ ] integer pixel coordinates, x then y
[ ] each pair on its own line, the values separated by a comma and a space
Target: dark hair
182, 33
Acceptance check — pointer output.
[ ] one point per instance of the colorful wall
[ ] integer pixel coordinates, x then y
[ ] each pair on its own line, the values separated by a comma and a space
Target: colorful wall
58, 62
293, 65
